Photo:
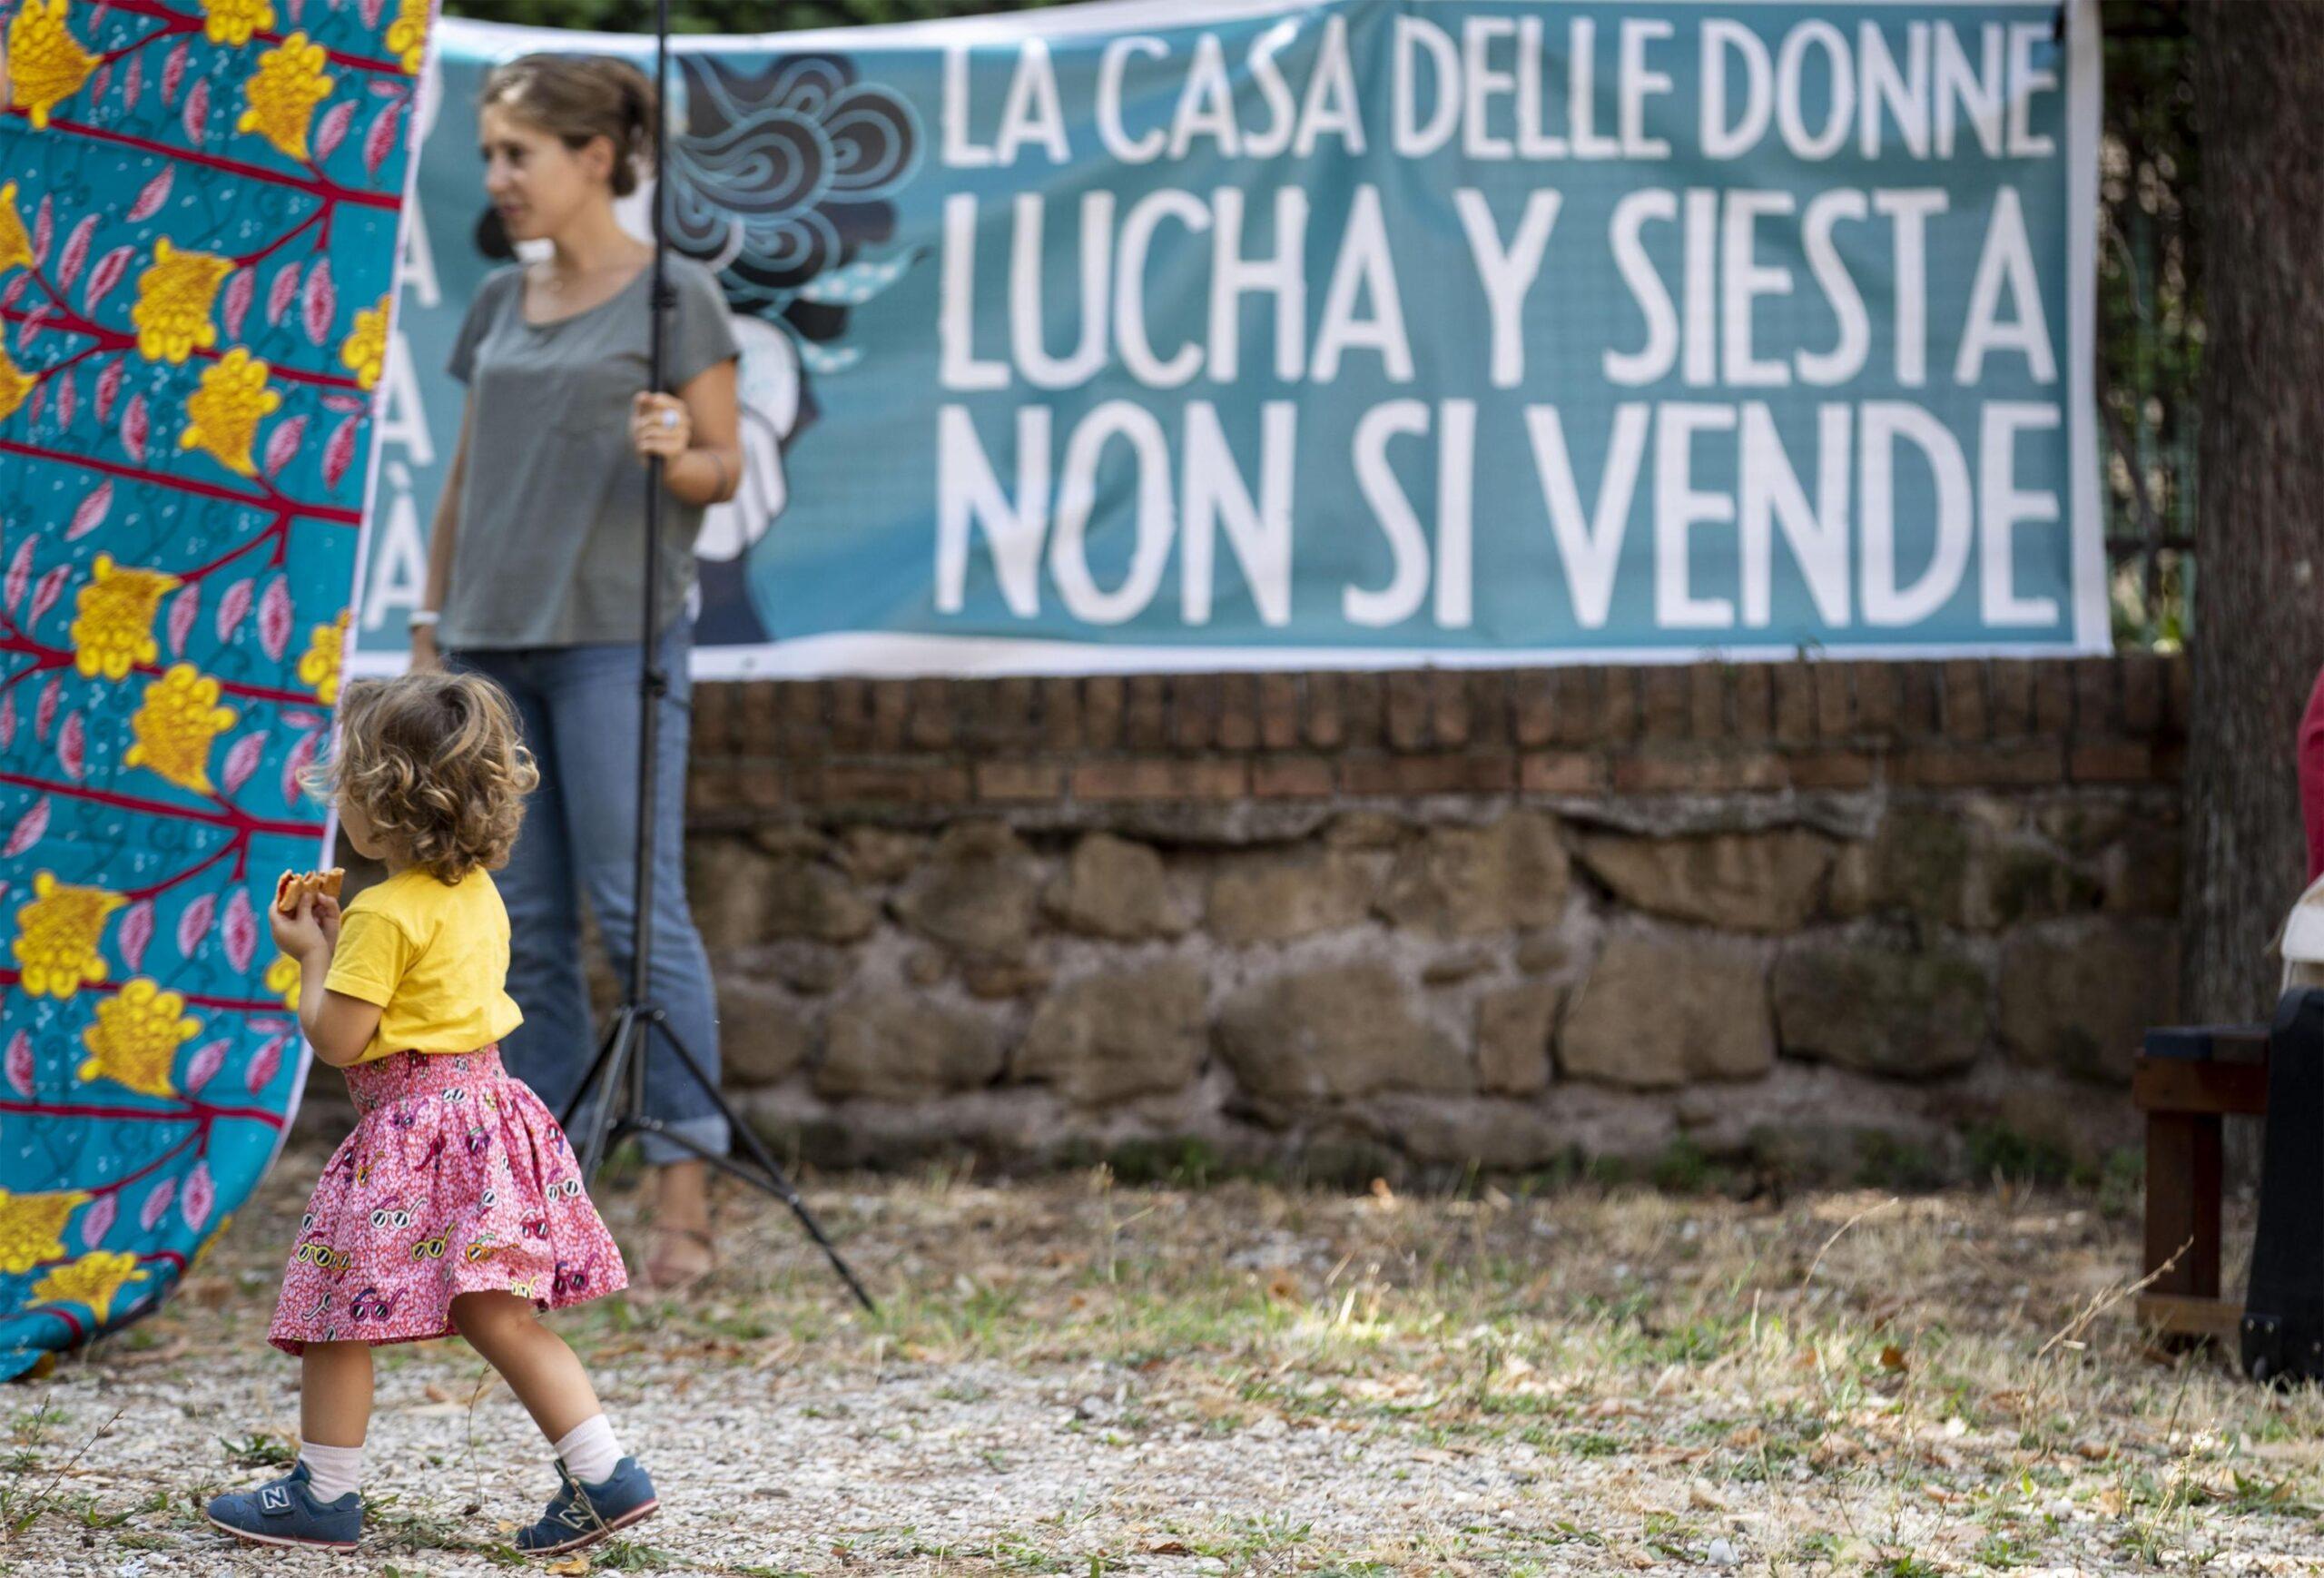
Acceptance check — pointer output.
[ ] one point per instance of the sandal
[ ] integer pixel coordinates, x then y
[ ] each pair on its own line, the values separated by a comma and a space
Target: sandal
683, 1280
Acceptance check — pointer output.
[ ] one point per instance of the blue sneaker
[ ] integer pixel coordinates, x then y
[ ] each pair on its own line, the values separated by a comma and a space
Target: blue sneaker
582, 1514
287, 1512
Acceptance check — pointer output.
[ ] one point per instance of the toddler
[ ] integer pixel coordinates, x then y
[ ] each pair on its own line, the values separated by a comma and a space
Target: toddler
456, 1205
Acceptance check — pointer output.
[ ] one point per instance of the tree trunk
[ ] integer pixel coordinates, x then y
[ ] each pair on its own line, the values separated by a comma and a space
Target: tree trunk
2259, 616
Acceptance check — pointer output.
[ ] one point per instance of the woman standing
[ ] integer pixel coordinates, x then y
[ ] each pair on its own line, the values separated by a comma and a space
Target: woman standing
533, 580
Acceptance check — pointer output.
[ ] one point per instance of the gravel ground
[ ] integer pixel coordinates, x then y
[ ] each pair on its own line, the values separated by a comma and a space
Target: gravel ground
1072, 1376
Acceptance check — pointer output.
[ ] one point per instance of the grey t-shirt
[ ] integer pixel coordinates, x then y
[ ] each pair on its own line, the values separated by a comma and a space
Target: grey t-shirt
552, 514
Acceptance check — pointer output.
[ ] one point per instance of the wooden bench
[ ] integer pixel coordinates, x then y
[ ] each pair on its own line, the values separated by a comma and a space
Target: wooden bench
2187, 1081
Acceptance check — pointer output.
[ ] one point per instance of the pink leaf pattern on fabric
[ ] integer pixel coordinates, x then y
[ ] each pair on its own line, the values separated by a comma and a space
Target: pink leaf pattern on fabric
263, 1063
184, 608
76, 252
156, 192
332, 130
73, 748
106, 275
157, 1204
194, 924
197, 113
282, 293
319, 303
136, 931
97, 1220
202, 1067
199, 1195
47, 714
281, 446
20, 572
236, 303
241, 932
29, 828
92, 513
381, 140
108, 389
274, 618
242, 761
133, 430
20, 1064
340, 452
303, 756
234, 608
51, 588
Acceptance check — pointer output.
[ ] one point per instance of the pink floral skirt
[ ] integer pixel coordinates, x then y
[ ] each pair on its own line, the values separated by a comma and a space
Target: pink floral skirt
456, 1180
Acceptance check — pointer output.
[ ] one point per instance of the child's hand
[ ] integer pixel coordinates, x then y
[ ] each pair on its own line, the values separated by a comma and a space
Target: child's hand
309, 931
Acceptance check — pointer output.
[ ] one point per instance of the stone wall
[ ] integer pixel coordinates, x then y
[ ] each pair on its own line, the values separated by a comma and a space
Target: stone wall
1442, 917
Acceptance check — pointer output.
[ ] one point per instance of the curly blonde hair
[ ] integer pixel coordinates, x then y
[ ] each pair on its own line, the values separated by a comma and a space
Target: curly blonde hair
435, 763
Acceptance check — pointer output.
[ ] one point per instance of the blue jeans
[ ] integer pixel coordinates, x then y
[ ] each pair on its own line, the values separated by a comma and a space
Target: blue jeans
578, 708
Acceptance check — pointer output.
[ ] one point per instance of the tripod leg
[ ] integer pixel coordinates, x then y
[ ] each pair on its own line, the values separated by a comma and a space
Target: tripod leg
605, 1076
773, 1183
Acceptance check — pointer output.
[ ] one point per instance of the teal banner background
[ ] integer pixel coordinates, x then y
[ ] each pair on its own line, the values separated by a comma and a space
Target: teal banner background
1143, 336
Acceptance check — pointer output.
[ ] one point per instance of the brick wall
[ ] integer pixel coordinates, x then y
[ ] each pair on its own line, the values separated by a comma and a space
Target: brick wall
920, 747
1420, 915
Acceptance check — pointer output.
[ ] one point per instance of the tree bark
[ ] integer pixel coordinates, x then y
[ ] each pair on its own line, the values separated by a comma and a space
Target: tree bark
2258, 613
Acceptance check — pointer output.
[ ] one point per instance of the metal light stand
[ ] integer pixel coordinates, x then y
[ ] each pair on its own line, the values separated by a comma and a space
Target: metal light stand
618, 1074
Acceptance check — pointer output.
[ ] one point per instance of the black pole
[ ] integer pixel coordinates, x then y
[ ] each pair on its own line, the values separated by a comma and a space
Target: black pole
619, 1071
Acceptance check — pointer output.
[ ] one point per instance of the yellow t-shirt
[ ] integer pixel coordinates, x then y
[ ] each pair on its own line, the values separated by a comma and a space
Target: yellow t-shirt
434, 958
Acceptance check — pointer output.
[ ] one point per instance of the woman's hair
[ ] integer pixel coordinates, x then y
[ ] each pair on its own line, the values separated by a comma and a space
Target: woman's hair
579, 98
434, 763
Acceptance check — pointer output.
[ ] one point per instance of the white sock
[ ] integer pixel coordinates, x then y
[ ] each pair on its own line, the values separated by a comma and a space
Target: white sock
589, 1450
331, 1471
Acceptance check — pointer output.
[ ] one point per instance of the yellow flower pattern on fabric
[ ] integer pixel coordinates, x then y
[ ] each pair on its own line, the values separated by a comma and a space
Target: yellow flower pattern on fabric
95, 1280
225, 412
113, 631
46, 65
283, 94
31, 1227
177, 725
59, 937
136, 1037
319, 664
235, 22
16, 241
15, 386
282, 979
408, 35
365, 354
174, 298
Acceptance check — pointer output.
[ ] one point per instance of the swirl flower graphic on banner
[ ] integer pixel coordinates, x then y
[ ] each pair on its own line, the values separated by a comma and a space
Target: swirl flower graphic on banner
365, 354
94, 1280
46, 65
174, 298
114, 630
318, 665
225, 412
16, 386
408, 35
235, 22
283, 93
31, 1227
16, 241
59, 937
283, 980
177, 725
136, 1037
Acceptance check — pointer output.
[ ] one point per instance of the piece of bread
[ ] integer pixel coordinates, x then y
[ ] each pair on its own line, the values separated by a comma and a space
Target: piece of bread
292, 886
